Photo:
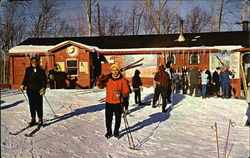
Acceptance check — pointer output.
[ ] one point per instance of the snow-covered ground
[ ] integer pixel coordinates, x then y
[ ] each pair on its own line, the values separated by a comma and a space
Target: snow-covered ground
185, 132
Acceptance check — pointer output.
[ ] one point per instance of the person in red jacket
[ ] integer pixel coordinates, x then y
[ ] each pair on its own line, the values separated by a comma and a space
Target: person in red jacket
116, 88
162, 83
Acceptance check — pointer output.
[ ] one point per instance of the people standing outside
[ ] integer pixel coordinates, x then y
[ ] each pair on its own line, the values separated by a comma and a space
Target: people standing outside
162, 83
184, 80
35, 82
216, 82
209, 82
204, 82
194, 81
169, 70
136, 84
225, 81
176, 80
116, 88
126, 100
52, 77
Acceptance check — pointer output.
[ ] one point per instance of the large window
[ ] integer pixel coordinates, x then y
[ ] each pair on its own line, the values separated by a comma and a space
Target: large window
171, 58
194, 58
71, 66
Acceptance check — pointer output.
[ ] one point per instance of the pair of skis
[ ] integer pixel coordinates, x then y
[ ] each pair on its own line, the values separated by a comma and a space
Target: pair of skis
30, 134
217, 140
133, 65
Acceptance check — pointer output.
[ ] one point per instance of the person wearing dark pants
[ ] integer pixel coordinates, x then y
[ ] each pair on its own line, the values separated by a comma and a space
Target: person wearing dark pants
216, 82
110, 110
116, 89
225, 81
136, 84
194, 79
36, 102
162, 82
35, 81
160, 90
169, 70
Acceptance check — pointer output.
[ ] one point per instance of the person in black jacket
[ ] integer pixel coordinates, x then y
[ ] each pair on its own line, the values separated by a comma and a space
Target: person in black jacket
35, 82
52, 77
216, 82
136, 84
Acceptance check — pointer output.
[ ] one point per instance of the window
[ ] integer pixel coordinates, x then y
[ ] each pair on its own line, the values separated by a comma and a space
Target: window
71, 67
194, 58
171, 58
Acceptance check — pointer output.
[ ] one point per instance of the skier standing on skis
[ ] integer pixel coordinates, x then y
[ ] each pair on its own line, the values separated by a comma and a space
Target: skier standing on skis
162, 83
136, 84
35, 81
116, 88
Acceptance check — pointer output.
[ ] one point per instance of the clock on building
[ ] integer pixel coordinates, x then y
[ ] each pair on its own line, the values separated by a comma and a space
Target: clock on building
72, 51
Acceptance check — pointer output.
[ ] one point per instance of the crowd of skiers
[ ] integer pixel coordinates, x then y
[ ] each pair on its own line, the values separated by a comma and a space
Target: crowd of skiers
167, 81
203, 82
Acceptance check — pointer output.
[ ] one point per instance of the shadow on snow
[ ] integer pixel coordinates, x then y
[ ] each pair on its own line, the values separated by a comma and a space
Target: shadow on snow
154, 118
76, 112
11, 105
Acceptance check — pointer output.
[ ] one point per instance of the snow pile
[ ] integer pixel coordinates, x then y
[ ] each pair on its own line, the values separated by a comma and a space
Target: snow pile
79, 130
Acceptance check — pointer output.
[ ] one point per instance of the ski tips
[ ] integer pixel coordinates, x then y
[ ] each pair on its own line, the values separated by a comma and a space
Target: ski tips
133, 148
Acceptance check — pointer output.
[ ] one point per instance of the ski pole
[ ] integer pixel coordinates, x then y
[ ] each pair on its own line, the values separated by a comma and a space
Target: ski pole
217, 141
50, 106
129, 133
228, 132
126, 128
25, 97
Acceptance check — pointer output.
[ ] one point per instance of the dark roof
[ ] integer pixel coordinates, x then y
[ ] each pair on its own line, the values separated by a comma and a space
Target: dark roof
152, 41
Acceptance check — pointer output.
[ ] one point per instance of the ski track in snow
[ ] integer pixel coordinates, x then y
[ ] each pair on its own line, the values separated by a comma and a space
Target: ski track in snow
79, 129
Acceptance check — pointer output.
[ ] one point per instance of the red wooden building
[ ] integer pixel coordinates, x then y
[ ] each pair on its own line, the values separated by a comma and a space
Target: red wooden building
85, 58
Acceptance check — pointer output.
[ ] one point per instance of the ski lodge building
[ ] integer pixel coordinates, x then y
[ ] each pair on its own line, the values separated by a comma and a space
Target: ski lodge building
84, 58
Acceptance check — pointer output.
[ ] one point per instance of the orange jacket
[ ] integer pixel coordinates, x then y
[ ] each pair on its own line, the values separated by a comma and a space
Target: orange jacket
115, 88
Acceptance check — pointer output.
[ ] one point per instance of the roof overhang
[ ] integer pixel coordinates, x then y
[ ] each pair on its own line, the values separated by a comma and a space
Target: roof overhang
43, 50
172, 50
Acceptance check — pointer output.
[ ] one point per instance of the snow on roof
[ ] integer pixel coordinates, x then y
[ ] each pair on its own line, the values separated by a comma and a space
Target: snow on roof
45, 49
228, 48
30, 49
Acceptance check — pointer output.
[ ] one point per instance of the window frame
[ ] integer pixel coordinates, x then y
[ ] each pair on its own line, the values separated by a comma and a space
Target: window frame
67, 67
191, 54
174, 56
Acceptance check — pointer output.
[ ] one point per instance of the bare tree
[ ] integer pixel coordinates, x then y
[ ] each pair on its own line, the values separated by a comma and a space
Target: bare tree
197, 21
136, 17
113, 22
11, 33
41, 17
220, 14
212, 18
170, 20
159, 19
88, 9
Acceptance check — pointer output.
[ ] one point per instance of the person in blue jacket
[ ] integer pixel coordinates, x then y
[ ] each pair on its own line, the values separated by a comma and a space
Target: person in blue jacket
225, 81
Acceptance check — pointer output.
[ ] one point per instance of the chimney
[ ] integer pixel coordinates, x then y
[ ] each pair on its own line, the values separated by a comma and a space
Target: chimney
245, 25
181, 37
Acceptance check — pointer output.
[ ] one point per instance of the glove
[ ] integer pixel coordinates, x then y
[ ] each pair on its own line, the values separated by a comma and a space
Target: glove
103, 77
141, 88
22, 87
42, 91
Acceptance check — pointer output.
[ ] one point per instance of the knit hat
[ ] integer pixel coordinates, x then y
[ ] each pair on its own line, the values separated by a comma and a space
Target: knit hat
34, 58
115, 65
